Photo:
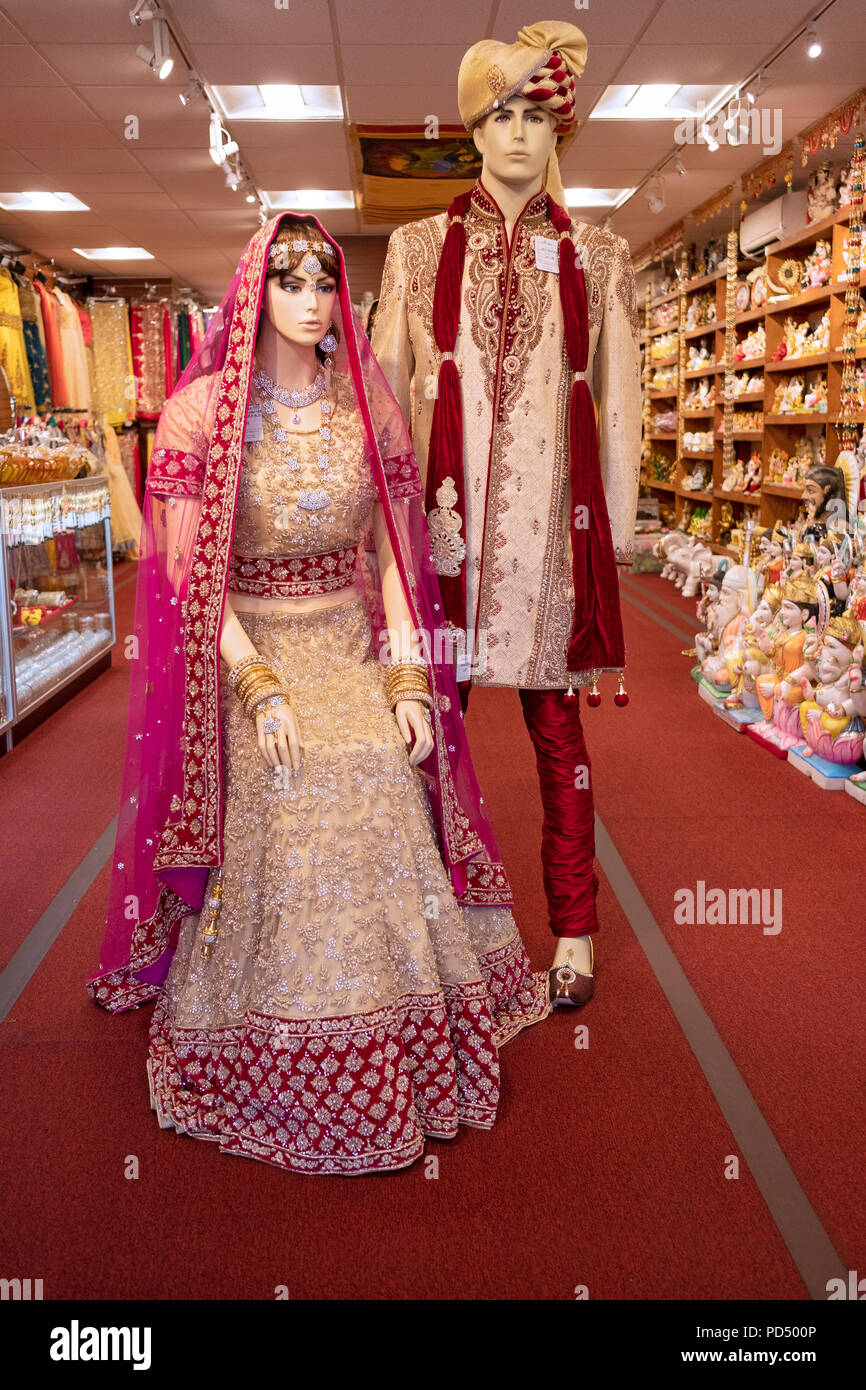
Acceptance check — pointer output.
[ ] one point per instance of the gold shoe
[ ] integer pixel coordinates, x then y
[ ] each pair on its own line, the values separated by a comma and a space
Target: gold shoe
569, 988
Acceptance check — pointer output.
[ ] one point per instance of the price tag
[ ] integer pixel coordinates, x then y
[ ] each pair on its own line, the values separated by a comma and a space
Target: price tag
254, 431
547, 254
464, 667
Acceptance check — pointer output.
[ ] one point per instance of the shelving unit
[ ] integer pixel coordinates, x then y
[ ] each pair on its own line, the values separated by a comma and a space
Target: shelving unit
774, 430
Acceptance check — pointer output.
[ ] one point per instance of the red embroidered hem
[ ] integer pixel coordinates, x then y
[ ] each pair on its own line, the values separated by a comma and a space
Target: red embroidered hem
349, 1095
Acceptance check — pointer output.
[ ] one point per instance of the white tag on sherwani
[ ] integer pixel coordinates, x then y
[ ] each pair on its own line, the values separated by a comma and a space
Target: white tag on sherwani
464, 666
254, 431
547, 253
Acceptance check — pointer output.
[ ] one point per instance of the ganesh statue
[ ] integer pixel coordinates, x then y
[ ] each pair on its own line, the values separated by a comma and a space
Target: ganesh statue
833, 713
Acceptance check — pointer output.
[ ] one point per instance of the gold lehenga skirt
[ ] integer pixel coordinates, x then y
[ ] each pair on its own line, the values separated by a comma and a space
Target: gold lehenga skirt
350, 1005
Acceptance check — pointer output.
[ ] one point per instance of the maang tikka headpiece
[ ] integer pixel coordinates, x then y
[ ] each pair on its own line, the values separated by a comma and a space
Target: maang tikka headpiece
278, 255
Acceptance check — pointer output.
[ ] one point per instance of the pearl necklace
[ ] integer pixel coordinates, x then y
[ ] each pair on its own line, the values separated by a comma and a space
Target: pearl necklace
296, 399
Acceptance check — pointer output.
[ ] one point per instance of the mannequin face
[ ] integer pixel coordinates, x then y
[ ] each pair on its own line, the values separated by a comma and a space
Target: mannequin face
299, 305
516, 141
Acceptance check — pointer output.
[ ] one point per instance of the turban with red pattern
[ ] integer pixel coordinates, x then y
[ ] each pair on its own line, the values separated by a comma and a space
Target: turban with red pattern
542, 66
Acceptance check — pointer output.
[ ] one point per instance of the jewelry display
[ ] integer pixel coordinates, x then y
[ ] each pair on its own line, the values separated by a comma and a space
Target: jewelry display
310, 500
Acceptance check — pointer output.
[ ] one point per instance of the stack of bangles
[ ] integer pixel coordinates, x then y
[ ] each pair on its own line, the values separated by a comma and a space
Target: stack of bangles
256, 685
408, 680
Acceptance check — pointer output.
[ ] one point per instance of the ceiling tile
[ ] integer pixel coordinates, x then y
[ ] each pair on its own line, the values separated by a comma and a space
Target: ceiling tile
252, 64
227, 22
21, 67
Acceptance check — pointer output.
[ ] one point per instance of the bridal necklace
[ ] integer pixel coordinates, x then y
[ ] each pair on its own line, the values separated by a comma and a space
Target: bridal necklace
310, 500
295, 399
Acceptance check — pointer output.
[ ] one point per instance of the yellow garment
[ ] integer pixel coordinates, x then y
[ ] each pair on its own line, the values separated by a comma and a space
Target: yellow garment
113, 378
125, 511
13, 354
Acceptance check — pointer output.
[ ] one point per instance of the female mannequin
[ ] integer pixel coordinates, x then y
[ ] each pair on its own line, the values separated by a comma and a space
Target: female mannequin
350, 965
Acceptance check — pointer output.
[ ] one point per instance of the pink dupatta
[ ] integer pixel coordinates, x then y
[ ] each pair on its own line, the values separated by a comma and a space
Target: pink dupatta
172, 806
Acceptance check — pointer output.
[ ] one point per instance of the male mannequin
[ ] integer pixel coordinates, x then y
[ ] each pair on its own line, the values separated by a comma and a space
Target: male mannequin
528, 516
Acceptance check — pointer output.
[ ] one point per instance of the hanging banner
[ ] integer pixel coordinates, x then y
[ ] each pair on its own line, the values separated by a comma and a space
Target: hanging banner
824, 133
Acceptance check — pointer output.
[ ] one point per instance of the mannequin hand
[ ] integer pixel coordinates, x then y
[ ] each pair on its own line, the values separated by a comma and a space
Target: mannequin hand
412, 721
283, 748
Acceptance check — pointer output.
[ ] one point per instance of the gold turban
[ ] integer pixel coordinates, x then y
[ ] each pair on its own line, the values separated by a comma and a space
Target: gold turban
552, 53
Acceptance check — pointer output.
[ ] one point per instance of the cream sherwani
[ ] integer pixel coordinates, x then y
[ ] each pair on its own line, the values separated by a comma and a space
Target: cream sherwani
516, 383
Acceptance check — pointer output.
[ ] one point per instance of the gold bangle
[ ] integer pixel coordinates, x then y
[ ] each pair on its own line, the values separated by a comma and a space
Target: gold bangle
255, 699
246, 664
260, 692
423, 697
252, 678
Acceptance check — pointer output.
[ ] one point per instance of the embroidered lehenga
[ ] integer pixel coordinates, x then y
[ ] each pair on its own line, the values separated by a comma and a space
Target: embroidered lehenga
367, 966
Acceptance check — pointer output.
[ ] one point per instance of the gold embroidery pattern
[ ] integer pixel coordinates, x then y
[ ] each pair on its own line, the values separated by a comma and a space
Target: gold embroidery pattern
547, 662
448, 546
514, 339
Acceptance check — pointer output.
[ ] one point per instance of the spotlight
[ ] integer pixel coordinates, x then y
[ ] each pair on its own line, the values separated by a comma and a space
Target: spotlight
158, 57
190, 92
757, 88
680, 168
814, 48
251, 197
655, 195
709, 137
218, 149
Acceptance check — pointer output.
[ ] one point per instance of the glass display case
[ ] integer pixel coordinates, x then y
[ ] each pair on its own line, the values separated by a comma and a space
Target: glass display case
56, 573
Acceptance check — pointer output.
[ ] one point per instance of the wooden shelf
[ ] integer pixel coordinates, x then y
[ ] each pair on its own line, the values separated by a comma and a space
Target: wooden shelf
736, 495
782, 490
664, 299
701, 280
799, 417
662, 328
795, 301
797, 364
694, 496
771, 500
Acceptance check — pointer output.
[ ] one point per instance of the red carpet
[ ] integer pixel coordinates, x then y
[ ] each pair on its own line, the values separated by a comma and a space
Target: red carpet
606, 1166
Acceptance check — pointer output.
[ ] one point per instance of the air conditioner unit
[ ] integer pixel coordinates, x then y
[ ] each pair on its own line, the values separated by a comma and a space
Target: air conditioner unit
773, 222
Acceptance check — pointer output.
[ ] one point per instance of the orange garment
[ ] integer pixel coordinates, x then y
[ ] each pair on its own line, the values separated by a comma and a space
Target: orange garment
59, 389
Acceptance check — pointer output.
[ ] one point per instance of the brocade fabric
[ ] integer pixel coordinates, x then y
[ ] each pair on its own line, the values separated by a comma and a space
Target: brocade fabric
350, 1006
515, 386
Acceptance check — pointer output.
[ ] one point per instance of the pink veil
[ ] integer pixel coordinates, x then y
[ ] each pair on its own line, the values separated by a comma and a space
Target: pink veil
171, 813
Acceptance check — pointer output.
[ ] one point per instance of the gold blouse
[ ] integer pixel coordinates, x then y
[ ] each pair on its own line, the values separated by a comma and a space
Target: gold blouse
300, 493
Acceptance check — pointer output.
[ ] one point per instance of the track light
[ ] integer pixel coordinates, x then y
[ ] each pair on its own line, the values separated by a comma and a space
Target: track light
680, 168
655, 194
219, 150
251, 197
190, 92
814, 47
709, 138
757, 88
158, 57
